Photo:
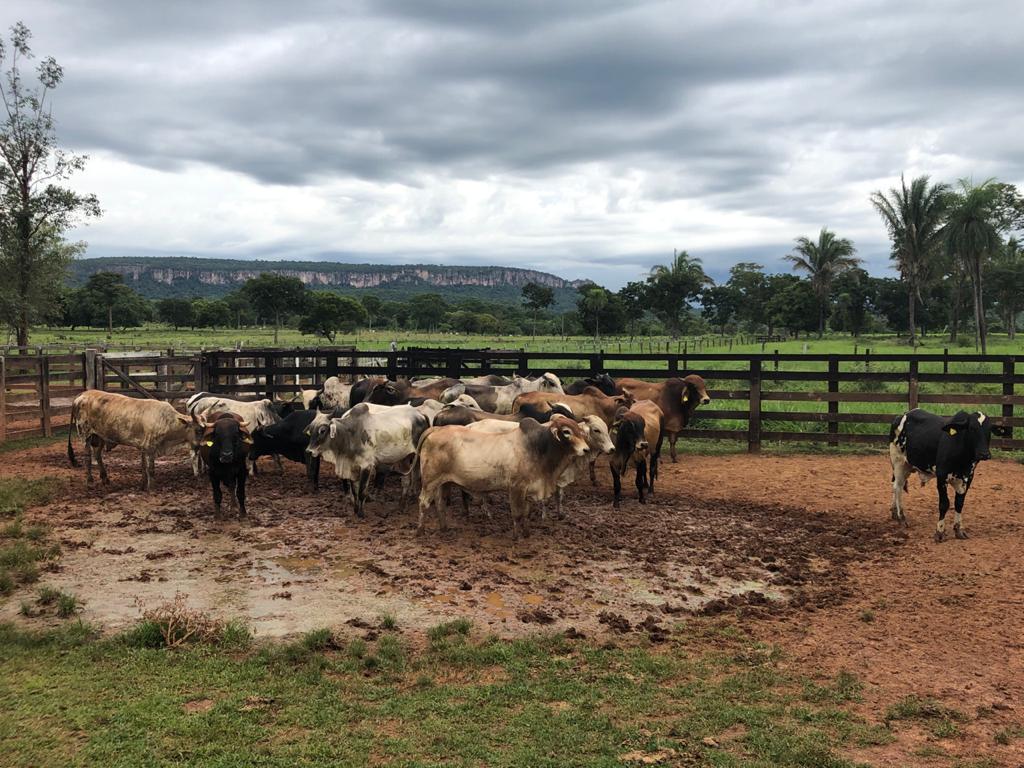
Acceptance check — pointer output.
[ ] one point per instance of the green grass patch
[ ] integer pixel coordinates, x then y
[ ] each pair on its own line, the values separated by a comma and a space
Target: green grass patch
16, 494
71, 699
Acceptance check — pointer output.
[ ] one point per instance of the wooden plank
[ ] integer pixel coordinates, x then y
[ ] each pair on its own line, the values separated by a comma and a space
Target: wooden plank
833, 405
125, 379
820, 437
716, 434
825, 416
3, 398
843, 397
971, 399
1008, 380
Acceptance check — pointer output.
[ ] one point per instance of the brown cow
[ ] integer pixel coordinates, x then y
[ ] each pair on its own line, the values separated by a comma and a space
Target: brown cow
106, 419
525, 462
591, 402
677, 398
634, 433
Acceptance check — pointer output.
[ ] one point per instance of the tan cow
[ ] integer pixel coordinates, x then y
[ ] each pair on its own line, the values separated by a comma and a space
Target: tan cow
106, 419
526, 463
591, 402
677, 398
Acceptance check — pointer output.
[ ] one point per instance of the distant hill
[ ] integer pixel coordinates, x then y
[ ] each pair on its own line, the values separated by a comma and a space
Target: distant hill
162, 277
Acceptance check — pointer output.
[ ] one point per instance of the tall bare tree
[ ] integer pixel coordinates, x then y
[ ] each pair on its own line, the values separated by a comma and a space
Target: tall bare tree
914, 217
35, 210
823, 260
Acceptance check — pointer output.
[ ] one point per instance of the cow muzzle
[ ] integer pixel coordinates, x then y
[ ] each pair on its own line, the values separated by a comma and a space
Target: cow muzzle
705, 400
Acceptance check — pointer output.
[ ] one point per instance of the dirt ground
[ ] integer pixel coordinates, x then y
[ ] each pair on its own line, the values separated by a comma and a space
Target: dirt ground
803, 544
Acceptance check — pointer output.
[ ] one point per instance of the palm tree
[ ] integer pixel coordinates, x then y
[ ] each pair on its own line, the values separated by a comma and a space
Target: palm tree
973, 236
595, 300
670, 287
914, 216
823, 261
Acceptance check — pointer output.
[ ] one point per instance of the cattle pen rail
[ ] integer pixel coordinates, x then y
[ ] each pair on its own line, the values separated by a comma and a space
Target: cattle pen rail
832, 399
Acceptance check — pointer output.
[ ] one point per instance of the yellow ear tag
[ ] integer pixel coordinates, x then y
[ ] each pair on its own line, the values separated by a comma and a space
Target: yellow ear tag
686, 397
244, 440
210, 443
952, 432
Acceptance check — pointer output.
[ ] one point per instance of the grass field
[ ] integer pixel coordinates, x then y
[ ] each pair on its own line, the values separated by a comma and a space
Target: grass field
710, 697
165, 337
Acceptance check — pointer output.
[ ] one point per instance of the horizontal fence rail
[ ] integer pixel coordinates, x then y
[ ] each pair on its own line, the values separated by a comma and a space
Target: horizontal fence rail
769, 397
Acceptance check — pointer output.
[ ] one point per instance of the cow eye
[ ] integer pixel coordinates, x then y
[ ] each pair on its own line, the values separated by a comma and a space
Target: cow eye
566, 432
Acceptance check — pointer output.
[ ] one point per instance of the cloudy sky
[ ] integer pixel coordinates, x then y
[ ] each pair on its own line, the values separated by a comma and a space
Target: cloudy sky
583, 137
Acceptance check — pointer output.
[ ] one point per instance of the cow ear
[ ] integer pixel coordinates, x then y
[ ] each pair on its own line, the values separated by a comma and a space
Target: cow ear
960, 422
333, 430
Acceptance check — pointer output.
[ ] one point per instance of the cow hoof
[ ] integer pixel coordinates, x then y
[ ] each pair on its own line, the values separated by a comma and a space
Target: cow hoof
960, 533
940, 536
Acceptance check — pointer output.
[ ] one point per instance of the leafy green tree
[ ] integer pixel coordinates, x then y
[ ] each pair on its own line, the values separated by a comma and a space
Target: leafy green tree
914, 217
599, 309
35, 210
972, 235
176, 312
373, 306
102, 291
242, 311
794, 306
213, 313
537, 297
751, 285
274, 295
130, 309
328, 313
670, 288
1007, 279
823, 260
426, 310
852, 291
633, 298
721, 305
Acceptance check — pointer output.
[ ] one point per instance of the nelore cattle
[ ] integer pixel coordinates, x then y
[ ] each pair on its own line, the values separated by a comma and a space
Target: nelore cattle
105, 420
602, 381
500, 399
333, 394
677, 398
224, 447
255, 413
525, 462
947, 449
636, 434
455, 414
366, 438
288, 438
591, 402
387, 392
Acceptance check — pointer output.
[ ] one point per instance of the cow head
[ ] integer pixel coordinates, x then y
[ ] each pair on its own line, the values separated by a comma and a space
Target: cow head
227, 438
627, 434
603, 382
695, 392
972, 433
598, 437
282, 408
568, 433
388, 393
549, 382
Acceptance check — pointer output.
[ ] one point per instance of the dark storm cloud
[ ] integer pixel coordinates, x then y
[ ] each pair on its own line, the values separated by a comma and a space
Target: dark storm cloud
772, 109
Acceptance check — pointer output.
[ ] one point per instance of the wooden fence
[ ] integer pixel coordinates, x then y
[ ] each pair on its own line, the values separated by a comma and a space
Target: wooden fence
830, 399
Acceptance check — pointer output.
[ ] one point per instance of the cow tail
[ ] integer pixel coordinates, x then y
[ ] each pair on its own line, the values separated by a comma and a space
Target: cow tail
72, 427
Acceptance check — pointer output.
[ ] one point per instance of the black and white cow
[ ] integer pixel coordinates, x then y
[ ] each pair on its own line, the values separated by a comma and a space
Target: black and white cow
288, 438
947, 449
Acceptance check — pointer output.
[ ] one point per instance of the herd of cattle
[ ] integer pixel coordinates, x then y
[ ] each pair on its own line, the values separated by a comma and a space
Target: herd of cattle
527, 438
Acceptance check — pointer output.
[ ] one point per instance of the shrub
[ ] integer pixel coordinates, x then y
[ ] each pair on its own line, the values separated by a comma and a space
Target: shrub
67, 605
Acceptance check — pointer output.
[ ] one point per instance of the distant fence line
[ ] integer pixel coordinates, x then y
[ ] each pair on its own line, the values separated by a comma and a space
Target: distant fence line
37, 390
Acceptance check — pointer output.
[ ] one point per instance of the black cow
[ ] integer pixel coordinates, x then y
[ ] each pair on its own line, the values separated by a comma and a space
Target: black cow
225, 448
602, 381
288, 438
947, 449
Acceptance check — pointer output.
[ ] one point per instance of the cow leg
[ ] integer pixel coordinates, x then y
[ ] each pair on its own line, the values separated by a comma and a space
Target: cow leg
313, 471
104, 477
440, 508
617, 483
520, 508
465, 502
152, 469
940, 529
641, 480
365, 478
88, 462
593, 472
194, 458
217, 495
901, 470
958, 526
240, 490
277, 462
671, 447
653, 474
425, 500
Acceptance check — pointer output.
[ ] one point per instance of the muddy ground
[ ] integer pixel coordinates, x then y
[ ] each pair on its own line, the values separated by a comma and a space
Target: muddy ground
802, 544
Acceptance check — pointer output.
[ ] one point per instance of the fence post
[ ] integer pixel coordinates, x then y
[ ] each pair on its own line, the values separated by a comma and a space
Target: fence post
393, 366
271, 379
1009, 368
597, 363
3, 398
945, 362
833, 405
673, 366
89, 361
912, 384
44, 395
754, 429
522, 368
